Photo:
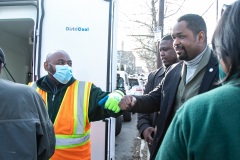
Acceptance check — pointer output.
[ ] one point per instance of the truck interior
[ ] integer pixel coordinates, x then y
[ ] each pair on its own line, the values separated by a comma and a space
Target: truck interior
16, 40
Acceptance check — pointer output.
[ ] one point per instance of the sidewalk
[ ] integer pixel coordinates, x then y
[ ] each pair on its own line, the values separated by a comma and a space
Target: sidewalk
129, 146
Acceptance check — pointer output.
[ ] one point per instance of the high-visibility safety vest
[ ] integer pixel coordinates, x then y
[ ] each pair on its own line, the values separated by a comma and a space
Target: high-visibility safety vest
72, 126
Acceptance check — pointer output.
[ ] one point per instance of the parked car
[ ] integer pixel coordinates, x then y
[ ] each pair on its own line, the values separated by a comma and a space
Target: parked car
124, 76
136, 87
118, 126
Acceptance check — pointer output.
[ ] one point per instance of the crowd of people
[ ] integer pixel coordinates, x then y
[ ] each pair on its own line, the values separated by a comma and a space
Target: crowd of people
197, 99
189, 109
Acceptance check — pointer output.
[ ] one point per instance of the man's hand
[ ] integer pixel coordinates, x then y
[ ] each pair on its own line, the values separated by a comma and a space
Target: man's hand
127, 102
111, 101
147, 134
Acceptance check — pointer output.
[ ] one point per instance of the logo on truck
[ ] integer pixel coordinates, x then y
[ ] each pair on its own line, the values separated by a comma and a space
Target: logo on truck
82, 29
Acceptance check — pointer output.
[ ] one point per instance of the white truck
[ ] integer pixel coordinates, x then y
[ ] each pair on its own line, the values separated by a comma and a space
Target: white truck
86, 29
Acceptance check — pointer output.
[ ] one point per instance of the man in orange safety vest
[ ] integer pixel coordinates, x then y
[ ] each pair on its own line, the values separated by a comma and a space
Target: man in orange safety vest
72, 105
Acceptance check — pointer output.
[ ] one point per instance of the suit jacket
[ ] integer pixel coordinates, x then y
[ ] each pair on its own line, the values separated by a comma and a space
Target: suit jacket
162, 98
149, 120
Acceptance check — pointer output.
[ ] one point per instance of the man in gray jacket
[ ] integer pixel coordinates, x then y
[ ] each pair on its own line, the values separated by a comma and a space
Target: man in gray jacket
26, 132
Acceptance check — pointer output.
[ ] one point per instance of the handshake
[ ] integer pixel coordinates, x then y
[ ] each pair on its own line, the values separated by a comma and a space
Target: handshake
111, 101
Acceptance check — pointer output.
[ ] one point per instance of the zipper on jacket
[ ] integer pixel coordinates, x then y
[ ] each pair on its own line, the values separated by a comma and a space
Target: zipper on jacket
54, 92
53, 97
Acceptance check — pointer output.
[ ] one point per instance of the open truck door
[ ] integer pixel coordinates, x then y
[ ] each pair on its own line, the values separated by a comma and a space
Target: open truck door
86, 29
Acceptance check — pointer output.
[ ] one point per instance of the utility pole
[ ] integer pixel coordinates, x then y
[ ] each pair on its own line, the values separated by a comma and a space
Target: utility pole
216, 10
121, 57
160, 24
161, 15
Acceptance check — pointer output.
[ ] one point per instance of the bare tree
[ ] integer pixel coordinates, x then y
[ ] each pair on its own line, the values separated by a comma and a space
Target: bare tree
144, 27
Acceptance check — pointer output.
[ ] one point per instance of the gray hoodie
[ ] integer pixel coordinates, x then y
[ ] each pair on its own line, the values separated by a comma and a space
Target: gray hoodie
26, 132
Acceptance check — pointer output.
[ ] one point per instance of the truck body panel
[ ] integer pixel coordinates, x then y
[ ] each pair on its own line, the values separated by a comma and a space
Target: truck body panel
30, 29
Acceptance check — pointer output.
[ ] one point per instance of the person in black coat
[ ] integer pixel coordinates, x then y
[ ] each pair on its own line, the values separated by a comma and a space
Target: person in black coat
195, 74
146, 122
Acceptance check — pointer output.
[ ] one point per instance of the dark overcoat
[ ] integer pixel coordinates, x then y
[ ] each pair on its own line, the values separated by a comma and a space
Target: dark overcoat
162, 98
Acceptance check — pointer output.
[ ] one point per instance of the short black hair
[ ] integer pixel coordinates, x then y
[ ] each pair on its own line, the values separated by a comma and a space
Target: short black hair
2, 57
195, 23
167, 37
225, 40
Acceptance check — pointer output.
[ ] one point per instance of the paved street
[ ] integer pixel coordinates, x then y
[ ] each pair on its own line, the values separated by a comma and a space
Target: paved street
128, 144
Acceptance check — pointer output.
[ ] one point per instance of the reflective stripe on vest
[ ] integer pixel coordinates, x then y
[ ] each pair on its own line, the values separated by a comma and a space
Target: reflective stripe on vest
81, 128
41, 92
67, 142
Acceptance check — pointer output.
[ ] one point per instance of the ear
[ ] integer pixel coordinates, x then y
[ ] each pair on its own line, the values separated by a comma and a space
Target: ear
1, 67
201, 36
46, 66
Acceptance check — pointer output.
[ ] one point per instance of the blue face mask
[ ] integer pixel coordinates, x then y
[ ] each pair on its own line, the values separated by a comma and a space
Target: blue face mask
222, 74
63, 73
